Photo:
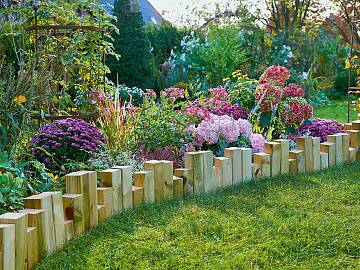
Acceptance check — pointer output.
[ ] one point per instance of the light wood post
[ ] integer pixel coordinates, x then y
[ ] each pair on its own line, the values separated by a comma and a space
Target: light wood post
43, 201
20, 221
223, 171
293, 169
126, 182
105, 197
262, 163
7, 246
299, 156
356, 125
156, 167
184, 174
36, 218
209, 184
306, 143
69, 230
234, 153
345, 147
329, 148
74, 210
33, 255
316, 153
145, 179
138, 196
101, 213
112, 178
274, 150
85, 183
178, 187
284, 165
355, 141
246, 158
324, 160
168, 173
337, 140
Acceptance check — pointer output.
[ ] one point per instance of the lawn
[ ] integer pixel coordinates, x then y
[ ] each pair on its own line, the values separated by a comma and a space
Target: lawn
335, 110
289, 222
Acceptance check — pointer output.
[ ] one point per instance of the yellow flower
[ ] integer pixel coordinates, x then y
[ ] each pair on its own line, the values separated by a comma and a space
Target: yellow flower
20, 99
226, 79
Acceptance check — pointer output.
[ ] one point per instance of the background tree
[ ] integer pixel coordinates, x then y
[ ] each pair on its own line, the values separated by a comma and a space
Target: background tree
135, 67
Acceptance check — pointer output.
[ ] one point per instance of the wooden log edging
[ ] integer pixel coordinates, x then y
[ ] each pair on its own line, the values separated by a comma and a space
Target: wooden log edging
51, 218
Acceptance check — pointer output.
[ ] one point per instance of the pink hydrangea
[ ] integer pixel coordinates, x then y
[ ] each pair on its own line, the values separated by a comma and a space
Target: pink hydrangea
245, 127
275, 75
257, 142
293, 111
174, 93
229, 129
293, 90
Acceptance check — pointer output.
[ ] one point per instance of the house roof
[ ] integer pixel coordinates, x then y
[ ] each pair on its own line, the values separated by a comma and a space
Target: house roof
149, 12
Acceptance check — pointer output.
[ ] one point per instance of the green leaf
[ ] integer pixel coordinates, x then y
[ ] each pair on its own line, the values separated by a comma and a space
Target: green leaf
265, 119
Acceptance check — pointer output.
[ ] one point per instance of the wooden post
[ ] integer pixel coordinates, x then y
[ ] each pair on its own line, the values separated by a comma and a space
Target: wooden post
329, 148
184, 174
234, 153
21, 223
32, 247
299, 156
355, 141
156, 167
306, 143
293, 169
246, 158
105, 197
284, 149
112, 178
138, 196
224, 171
101, 213
74, 210
145, 179
195, 162
262, 163
58, 218
274, 150
324, 157
69, 230
209, 184
178, 187
352, 154
36, 218
356, 125
316, 153
168, 173
7, 246
347, 126
43, 201
84, 182
126, 182
345, 147
337, 140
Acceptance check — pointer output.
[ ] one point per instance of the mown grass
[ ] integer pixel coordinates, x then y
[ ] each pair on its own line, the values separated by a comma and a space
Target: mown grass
288, 222
335, 110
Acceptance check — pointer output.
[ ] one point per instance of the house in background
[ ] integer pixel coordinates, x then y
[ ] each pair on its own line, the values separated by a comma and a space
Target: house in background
148, 11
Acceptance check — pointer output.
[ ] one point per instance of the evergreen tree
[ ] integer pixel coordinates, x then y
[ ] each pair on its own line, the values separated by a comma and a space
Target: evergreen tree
136, 64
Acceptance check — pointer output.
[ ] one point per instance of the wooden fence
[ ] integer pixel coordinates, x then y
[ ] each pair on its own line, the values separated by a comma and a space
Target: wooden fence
50, 219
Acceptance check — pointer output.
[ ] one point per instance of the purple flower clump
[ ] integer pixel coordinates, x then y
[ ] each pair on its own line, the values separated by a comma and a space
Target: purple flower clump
66, 139
319, 128
233, 110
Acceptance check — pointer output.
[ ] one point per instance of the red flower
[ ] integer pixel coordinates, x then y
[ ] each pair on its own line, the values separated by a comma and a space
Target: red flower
275, 75
268, 95
294, 90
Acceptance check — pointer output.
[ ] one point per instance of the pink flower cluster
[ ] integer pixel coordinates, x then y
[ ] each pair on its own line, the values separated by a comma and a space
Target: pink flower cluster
293, 90
268, 95
275, 75
218, 93
294, 111
174, 93
150, 93
96, 97
211, 130
257, 142
198, 110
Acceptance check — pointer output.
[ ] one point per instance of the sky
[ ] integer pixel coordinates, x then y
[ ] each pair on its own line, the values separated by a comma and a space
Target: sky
176, 11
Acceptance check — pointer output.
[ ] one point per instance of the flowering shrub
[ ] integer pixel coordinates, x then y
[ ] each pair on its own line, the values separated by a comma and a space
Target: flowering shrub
293, 90
173, 93
144, 154
319, 128
72, 139
218, 93
233, 110
219, 132
294, 110
268, 96
276, 75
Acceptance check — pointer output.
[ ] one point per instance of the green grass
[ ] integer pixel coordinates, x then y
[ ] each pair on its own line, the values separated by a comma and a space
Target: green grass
288, 222
336, 110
